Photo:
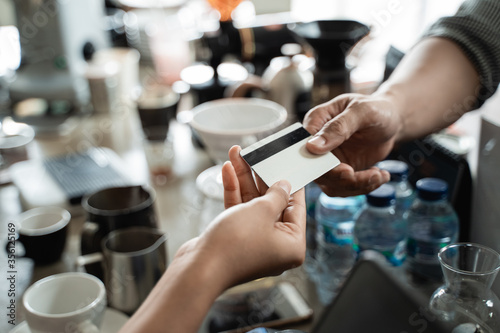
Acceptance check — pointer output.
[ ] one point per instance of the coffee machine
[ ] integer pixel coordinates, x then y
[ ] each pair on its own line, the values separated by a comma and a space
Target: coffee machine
56, 38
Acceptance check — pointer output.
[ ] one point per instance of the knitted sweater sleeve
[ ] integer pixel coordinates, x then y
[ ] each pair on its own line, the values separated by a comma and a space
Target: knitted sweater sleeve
476, 29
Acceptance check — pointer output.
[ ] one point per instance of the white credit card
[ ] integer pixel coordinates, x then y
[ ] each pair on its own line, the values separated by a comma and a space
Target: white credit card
284, 155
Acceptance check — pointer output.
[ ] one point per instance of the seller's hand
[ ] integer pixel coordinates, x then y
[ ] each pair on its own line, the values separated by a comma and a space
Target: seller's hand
263, 230
360, 130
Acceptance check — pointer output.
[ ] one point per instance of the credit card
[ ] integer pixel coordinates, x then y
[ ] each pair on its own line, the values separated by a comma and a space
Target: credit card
283, 155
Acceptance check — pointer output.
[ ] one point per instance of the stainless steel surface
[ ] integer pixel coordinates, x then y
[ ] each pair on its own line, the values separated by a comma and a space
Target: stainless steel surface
115, 208
134, 260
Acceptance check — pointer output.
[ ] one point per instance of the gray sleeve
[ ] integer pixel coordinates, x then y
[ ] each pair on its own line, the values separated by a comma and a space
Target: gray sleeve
476, 29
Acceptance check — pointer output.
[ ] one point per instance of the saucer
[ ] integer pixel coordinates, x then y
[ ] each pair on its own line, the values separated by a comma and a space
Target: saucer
209, 182
112, 321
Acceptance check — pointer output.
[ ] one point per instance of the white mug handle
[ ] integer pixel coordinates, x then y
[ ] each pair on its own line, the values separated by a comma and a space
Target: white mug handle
88, 259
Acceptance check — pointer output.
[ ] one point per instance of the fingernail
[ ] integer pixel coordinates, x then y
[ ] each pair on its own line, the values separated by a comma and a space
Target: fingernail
285, 185
317, 140
386, 175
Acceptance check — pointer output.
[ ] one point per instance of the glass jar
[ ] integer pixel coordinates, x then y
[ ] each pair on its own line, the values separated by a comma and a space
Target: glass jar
466, 300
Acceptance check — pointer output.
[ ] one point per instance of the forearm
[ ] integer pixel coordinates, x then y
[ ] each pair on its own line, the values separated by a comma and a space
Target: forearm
181, 298
433, 86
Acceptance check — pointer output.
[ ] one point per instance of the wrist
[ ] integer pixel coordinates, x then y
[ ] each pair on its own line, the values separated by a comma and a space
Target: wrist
203, 266
183, 295
390, 93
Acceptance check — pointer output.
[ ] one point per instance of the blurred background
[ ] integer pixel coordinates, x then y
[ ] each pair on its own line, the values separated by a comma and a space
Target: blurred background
150, 26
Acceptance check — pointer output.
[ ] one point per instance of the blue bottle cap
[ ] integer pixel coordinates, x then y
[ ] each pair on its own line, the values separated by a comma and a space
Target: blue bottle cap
398, 169
432, 189
384, 196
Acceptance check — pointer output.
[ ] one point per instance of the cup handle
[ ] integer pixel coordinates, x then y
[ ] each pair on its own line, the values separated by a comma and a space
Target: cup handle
89, 234
241, 89
88, 259
18, 247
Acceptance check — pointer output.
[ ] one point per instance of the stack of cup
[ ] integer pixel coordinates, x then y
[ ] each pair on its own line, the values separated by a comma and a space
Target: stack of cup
113, 79
157, 107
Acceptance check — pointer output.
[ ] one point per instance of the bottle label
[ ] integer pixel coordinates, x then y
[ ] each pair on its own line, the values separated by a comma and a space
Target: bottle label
395, 256
339, 234
425, 251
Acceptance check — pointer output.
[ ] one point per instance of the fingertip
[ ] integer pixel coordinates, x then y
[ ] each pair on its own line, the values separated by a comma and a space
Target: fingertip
228, 173
235, 149
279, 195
231, 186
227, 166
381, 176
317, 145
317, 140
285, 185
386, 176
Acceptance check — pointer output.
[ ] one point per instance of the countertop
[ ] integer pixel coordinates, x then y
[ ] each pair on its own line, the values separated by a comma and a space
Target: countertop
183, 211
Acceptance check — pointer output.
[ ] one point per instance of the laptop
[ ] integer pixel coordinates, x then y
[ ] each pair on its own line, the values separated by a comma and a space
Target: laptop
373, 300
63, 180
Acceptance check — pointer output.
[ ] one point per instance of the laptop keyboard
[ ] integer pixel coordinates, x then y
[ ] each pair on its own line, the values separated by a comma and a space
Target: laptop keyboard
79, 174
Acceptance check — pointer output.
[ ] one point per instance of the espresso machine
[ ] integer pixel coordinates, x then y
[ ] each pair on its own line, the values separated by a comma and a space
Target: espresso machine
56, 38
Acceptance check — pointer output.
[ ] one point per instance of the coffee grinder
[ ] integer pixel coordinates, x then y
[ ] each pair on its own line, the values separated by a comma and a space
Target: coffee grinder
331, 41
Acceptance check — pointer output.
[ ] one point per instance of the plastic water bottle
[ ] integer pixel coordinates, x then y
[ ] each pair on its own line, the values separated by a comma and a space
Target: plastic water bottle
432, 224
379, 228
335, 254
310, 264
399, 180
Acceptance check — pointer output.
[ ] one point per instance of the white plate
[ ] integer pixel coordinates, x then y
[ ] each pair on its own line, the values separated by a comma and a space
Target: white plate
112, 321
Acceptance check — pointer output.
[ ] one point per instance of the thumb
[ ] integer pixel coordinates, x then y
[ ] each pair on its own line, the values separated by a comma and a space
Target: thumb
277, 197
334, 132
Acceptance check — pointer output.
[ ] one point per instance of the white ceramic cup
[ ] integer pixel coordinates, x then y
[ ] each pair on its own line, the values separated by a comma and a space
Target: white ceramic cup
67, 302
129, 87
103, 83
235, 121
14, 140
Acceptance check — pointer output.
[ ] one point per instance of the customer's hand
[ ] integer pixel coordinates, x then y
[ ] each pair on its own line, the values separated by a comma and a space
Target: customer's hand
258, 235
360, 130
239, 183
263, 230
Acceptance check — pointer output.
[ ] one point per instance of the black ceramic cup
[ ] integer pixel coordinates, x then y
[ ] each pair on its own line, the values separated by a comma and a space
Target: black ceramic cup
157, 106
43, 232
